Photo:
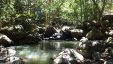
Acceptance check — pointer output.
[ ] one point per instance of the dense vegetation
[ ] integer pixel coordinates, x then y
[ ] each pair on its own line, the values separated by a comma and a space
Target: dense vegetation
23, 17
50, 12
30, 21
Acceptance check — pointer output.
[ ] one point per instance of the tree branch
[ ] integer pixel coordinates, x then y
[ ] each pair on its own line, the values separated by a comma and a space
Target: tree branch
96, 5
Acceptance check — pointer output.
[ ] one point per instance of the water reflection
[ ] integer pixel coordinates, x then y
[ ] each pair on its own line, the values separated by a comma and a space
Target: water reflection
41, 53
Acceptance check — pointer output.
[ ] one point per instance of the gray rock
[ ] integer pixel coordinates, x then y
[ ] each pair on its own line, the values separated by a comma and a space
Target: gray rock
7, 56
110, 61
49, 31
5, 40
77, 33
68, 56
87, 48
95, 34
69, 33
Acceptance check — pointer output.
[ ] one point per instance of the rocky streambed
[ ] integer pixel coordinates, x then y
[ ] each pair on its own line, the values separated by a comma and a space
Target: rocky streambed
8, 56
60, 52
95, 42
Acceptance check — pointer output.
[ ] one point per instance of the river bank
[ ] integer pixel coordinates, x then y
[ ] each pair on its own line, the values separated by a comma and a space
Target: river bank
95, 39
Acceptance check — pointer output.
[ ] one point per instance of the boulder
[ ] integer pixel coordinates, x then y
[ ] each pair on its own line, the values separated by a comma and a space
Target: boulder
95, 34
70, 33
5, 40
66, 35
109, 52
13, 34
20, 35
86, 25
65, 28
7, 56
55, 36
108, 17
76, 33
41, 30
30, 39
49, 31
68, 56
96, 55
88, 48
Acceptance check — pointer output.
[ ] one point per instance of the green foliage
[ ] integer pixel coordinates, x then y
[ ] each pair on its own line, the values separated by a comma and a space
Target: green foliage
112, 6
45, 11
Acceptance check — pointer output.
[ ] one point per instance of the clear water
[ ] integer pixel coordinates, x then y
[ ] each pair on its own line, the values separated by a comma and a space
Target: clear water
43, 52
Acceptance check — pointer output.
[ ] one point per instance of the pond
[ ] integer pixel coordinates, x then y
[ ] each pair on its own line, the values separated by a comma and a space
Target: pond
41, 53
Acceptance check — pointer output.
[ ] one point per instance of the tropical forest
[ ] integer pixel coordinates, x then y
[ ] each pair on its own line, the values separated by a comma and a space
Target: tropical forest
56, 31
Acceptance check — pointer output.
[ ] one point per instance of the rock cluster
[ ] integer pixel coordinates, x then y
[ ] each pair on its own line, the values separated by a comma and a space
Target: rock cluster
65, 33
68, 56
72, 56
7, 56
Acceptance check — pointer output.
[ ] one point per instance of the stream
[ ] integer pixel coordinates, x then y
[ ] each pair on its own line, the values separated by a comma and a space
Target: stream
43, 52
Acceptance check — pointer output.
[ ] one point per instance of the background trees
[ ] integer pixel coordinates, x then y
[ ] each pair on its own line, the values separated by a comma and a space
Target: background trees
51, 12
